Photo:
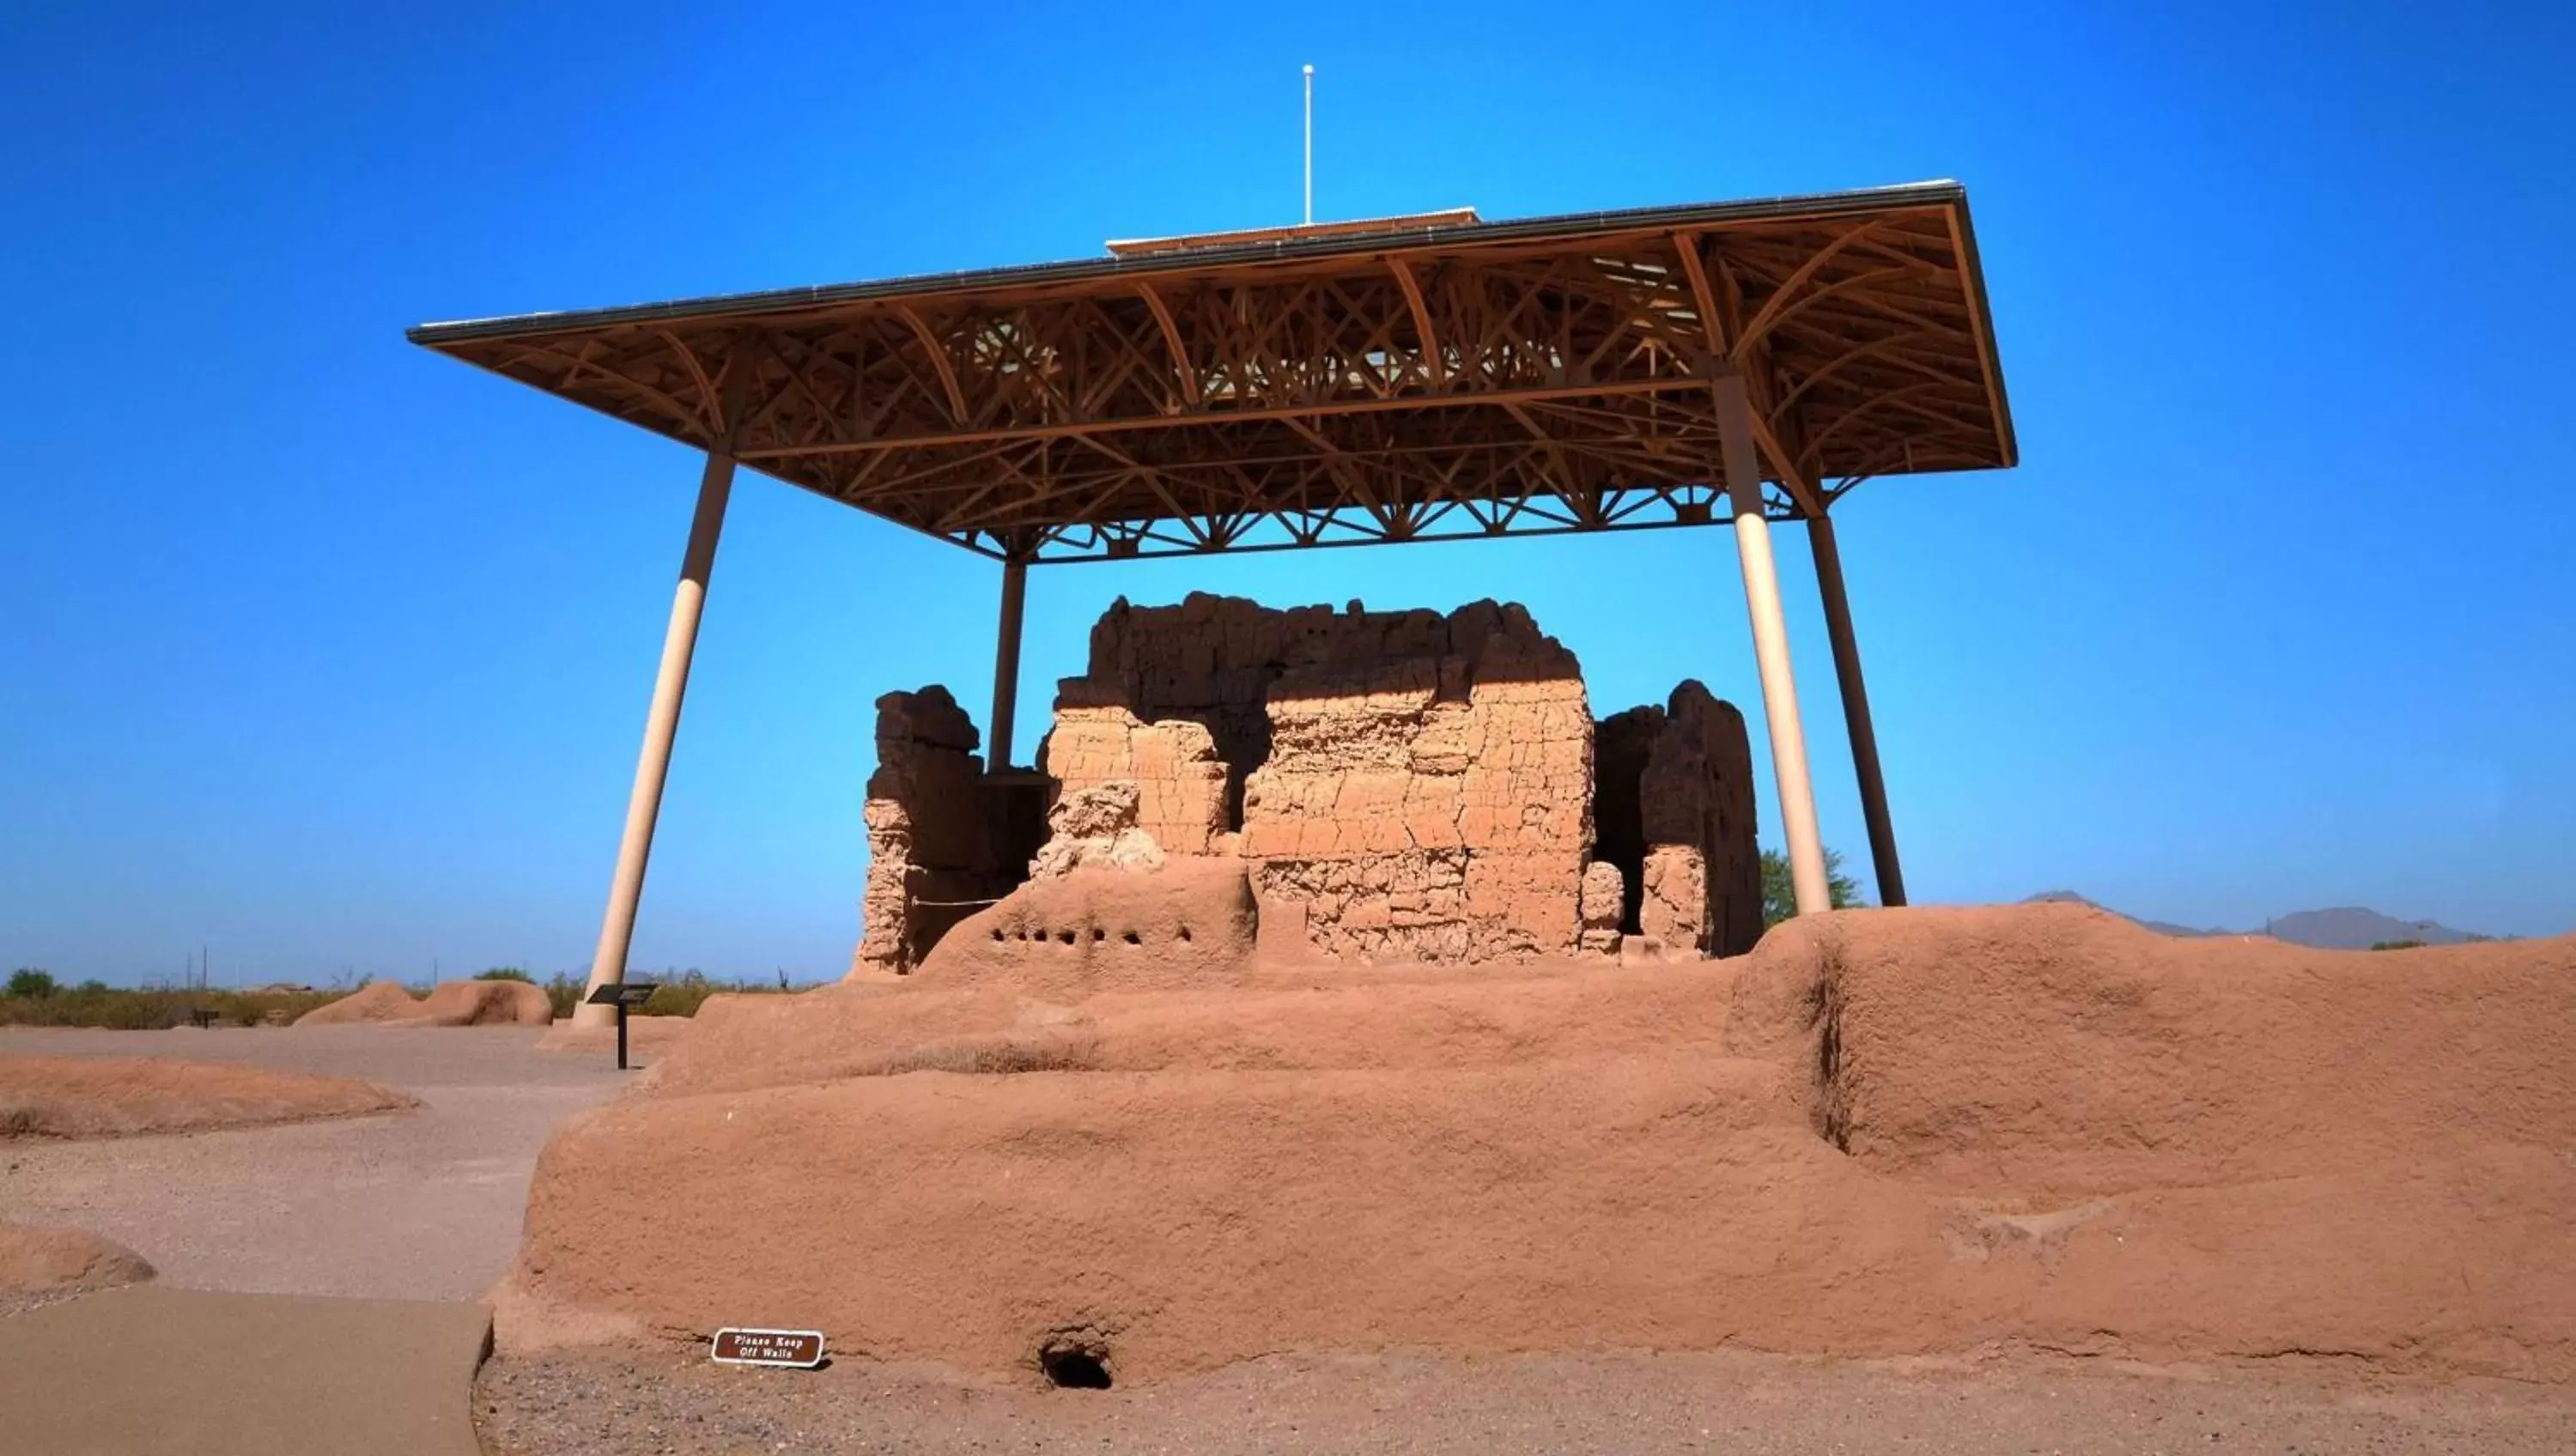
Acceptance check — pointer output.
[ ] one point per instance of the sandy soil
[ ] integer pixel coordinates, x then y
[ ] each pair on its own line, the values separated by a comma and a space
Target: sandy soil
426, 1205
90, 1097
596, 1404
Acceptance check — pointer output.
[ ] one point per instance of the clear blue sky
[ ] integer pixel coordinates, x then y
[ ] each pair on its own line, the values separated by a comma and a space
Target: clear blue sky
330, 653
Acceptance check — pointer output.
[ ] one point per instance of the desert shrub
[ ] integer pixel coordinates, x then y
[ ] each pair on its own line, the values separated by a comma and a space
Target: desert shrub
28, 983
684, 994
1780, 887
92, 1004
2396, 944
676, 993
564, 993
679, 993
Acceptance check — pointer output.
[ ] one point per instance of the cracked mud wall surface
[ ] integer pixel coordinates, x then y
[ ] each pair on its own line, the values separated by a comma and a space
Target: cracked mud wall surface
1180, 782
2063, 1132
1409, 785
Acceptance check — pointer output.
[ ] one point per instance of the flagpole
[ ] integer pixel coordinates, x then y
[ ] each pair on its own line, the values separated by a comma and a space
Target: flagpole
1310, 146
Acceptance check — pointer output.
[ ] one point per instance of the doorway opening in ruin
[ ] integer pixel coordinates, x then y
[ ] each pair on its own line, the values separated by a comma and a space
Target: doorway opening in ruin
1620, 745
1242, 734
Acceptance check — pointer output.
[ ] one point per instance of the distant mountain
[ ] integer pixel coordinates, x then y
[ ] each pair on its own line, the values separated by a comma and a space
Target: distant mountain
2353, 928
2348, 928
2160, 927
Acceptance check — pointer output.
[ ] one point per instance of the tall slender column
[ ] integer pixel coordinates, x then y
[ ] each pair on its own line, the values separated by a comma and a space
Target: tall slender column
1006, 664
661, 725
1771, 648
1864, 737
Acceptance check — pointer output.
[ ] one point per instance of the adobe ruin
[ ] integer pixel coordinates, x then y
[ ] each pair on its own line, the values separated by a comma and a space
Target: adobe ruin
1400, 786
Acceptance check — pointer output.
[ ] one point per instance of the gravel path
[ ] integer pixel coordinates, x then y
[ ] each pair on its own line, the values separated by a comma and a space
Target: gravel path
673, 1403
418, 1205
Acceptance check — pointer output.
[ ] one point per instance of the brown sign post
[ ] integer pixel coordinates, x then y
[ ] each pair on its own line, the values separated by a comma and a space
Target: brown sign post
800, 1348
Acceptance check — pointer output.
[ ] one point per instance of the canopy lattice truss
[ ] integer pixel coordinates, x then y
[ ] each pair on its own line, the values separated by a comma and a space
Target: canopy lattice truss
1425, 380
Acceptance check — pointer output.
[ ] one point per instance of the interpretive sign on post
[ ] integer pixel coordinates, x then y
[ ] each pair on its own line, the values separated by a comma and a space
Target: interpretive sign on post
625, 996
801, 1348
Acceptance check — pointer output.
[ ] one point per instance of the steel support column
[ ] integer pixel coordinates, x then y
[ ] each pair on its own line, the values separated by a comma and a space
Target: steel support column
1864, 737
1006, 664
661, 725
1771, 647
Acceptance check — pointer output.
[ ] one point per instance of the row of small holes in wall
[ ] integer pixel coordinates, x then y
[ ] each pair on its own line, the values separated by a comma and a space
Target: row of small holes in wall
1072, 937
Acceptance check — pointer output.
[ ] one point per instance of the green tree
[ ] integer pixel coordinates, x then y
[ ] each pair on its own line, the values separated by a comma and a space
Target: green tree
28, 983
1780, 888
505, 973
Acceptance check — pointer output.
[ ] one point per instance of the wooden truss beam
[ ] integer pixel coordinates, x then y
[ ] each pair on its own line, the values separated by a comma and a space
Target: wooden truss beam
1423, 389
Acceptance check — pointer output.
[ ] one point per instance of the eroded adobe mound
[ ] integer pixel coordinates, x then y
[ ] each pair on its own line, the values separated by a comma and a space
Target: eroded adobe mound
84, 1097
1883, 1133
449, 1003
37, 1260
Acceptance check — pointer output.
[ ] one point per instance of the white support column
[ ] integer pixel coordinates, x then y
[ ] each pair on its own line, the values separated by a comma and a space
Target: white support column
661, 725
1771, 647
1006, 665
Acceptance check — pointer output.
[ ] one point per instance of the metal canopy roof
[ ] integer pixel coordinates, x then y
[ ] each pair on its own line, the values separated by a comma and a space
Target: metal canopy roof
1439, 379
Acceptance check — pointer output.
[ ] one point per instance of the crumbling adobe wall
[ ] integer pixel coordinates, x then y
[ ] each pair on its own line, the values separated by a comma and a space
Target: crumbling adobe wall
1180, 782
1675, 811
1407, 786
1209, 661
943, 837
1429, 795
1413, 786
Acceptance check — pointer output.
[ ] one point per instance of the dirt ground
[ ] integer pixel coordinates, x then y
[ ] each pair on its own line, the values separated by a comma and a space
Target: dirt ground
430, 1205
678, 1403
419, 1205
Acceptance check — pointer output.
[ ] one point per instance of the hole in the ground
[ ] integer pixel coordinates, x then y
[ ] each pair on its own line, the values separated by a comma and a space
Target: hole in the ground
1132, 938
1098, 935
1064, 936
997, 935
1075, 1367
1185, 933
